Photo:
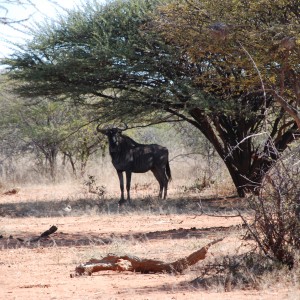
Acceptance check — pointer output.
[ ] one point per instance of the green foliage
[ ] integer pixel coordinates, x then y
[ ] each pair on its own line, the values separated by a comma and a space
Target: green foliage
243, 56
96, 54
129, 60
47, 129
240, 47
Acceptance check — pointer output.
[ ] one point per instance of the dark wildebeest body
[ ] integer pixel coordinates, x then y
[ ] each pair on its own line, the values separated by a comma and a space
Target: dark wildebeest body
131, 157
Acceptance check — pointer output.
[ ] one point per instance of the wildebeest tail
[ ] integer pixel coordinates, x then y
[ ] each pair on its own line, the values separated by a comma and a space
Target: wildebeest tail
168, 171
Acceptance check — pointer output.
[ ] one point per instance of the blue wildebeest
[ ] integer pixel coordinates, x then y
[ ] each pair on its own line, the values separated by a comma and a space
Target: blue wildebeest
131, 157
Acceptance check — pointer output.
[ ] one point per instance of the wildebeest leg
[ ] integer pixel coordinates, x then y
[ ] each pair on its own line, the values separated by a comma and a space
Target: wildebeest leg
157, 174
120, 174
165, 187
165, 181
128, 181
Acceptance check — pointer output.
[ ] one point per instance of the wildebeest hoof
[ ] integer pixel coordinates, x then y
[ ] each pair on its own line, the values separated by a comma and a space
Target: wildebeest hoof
122, 202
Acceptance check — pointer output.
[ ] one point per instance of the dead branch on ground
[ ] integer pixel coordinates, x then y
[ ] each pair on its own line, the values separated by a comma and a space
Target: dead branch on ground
135, 264
202, 212
46, 233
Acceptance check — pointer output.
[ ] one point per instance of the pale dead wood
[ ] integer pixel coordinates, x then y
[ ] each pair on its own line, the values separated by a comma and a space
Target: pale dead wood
135, 264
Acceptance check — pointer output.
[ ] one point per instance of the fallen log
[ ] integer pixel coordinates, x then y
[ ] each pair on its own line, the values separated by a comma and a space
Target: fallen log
135, 264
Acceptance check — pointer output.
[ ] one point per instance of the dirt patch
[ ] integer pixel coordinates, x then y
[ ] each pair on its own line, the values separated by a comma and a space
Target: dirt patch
93, 228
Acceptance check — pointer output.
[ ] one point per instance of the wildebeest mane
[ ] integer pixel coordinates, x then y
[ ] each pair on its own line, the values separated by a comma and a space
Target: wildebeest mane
129, 141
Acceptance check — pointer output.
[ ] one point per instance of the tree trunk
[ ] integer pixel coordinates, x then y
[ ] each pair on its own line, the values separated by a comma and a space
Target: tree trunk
52, 158
234, 140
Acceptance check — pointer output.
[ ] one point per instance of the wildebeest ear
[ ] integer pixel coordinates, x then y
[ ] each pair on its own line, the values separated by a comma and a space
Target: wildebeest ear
119, 130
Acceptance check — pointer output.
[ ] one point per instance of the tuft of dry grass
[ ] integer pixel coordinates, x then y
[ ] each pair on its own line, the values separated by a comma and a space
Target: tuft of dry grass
246, 271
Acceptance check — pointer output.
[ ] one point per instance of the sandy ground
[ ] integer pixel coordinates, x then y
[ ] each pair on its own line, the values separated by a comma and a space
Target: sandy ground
41, 270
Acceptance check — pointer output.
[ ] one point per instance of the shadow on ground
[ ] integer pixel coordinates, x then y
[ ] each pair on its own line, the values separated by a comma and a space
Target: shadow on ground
78, 207
60, 239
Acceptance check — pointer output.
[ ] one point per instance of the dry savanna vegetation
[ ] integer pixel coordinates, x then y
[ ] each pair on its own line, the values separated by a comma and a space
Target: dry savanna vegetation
217, 83
91, 225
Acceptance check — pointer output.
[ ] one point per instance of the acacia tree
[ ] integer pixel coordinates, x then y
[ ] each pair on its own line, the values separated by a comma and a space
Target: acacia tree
111, 58
81, 142
42, 128
246, 55
255, 43
47, 129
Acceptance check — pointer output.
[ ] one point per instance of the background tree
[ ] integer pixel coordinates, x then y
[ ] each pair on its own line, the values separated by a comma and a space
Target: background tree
81, 142
48, 130
112, 58
41, 127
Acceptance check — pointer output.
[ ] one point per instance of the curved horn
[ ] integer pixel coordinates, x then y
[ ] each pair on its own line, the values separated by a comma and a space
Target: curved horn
100, 130
126, 127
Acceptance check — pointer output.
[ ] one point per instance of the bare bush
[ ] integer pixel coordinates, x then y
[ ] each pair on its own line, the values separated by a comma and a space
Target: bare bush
276, 227
93, 188
245, 271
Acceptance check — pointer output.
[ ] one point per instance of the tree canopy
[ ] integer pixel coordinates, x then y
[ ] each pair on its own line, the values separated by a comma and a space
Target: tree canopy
209, 64
242, 46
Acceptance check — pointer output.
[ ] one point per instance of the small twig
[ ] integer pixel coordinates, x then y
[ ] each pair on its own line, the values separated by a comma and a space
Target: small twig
160, 121
184, 155
261, 82
212, 215
254, 235
243, 140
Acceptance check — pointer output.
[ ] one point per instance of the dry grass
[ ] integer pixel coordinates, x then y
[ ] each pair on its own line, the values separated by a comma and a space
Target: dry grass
93, 225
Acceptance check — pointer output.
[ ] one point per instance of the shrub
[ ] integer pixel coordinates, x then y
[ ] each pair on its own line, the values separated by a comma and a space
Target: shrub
276, 227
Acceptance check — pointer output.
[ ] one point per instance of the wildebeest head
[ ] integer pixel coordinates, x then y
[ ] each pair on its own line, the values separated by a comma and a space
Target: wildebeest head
114, 137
